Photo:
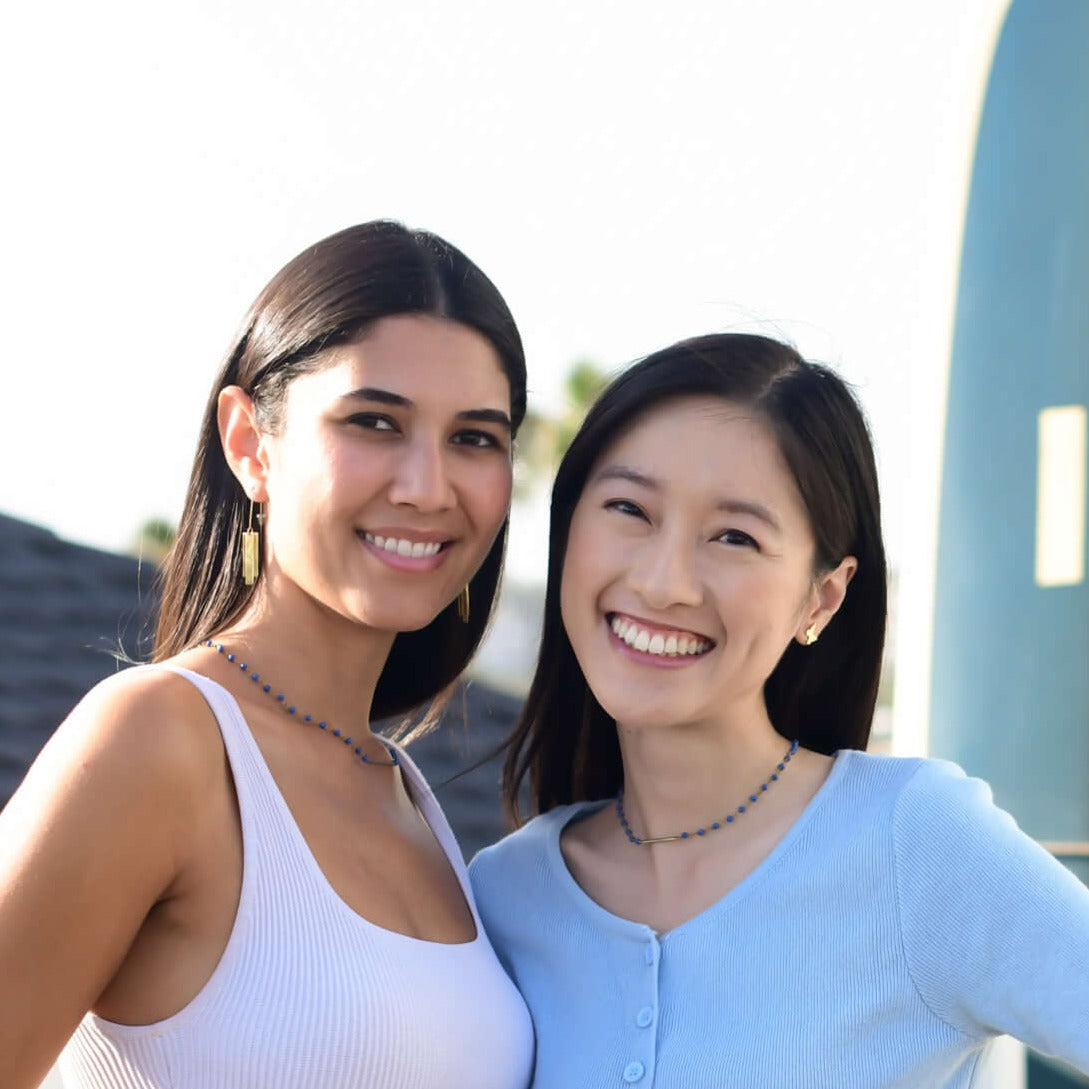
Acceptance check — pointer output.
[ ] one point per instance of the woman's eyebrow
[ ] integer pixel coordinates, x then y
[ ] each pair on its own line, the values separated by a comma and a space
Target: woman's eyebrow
486, 415
625, 472
730, 506
382, 396
745, 506
387, 397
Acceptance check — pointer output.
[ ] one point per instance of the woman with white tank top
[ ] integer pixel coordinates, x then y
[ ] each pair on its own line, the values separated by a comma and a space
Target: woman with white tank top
216, 874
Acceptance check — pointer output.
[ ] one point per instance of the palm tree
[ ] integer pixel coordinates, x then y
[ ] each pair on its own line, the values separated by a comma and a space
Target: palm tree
153, 540
543, 440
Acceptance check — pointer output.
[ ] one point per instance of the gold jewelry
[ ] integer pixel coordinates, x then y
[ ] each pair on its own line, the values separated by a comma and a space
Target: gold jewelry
463, 604
754, 797
251, 552
811, 635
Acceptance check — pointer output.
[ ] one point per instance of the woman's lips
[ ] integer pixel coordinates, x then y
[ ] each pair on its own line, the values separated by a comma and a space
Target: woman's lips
658, 642
406, 551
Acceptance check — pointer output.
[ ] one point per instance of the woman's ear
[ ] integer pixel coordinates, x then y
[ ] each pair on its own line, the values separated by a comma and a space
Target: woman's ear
827, 596
241, 438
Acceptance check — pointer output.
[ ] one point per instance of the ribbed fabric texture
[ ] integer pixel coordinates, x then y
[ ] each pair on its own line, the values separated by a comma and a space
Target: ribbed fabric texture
309, 995
901, 924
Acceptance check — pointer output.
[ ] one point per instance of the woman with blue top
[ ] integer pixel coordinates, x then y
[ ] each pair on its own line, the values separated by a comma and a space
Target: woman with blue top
722, 887
216, 874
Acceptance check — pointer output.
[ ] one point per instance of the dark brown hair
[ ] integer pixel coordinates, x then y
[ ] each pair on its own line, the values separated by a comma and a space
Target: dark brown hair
327, 296
824, 695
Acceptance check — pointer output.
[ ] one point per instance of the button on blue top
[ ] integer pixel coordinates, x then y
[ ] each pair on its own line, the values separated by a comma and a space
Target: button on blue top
633, 1071
644, 1017
650, 952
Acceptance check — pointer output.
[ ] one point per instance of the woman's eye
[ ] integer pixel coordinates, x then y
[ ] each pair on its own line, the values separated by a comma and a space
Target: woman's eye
737, 537
480, 439
625, 506
371, 421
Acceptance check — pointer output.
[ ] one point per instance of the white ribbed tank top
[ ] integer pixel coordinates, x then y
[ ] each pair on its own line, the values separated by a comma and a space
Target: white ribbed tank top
308, 994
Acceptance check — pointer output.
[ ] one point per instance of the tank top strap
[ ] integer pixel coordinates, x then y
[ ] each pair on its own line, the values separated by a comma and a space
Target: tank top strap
428, 805
268, 828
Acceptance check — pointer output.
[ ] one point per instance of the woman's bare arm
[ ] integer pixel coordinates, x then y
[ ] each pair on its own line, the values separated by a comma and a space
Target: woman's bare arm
94, 837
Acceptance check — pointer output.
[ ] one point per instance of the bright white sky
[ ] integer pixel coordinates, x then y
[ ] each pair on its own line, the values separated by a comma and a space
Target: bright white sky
626, 174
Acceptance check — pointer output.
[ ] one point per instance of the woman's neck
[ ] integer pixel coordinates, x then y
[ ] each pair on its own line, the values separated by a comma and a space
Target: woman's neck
682, 778
327, 665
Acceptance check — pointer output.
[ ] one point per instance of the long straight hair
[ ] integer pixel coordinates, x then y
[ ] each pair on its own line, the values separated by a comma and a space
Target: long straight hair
328, 295
824, 694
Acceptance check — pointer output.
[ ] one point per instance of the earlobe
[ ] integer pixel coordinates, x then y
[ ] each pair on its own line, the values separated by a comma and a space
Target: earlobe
241, 439
829, 593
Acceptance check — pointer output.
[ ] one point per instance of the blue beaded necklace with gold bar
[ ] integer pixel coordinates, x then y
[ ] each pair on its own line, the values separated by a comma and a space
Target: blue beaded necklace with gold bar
643, 841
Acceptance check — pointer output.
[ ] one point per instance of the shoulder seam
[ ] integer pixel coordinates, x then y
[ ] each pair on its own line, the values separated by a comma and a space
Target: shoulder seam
898, 883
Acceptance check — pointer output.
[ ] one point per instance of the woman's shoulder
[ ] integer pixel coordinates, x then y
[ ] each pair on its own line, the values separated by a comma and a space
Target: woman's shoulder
146, 720
914, 797
528, 846
926, 787
940, 814
906, 777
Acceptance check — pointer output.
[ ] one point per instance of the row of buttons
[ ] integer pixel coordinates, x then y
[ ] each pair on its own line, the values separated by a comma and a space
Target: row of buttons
635, 1070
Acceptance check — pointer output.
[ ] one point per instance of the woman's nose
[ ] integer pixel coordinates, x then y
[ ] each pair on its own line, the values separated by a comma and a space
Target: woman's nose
421, 479
664, 573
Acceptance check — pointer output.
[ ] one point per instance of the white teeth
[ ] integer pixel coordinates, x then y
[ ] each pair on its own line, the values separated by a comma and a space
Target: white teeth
401, 547
673, 646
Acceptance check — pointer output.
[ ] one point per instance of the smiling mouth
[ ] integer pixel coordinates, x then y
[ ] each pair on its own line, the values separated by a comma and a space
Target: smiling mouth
660, 643
399, 546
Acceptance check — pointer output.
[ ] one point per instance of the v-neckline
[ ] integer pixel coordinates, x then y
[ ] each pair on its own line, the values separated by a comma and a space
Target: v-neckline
630, 927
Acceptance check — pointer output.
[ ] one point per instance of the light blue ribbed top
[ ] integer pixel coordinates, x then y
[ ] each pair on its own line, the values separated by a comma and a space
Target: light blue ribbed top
308, 994
901, 924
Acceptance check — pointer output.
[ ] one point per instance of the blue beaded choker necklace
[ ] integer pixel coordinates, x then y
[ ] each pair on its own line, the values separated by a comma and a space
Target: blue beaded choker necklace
641, 841
290, 709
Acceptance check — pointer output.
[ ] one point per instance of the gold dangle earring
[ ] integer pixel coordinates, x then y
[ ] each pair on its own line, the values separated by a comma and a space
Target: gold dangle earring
463, 604
251, 551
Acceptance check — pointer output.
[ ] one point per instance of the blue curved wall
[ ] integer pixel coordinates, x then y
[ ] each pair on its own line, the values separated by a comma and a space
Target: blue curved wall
1010, 669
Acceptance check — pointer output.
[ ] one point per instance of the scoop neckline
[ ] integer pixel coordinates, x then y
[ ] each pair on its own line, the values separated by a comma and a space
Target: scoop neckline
419, 793
629, 927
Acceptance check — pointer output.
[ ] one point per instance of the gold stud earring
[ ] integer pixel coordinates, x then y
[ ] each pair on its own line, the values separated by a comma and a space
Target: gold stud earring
251, 551
810, 635
463, 604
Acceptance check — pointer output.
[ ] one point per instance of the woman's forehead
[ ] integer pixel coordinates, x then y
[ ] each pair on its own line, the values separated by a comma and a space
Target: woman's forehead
417, 357
685, 425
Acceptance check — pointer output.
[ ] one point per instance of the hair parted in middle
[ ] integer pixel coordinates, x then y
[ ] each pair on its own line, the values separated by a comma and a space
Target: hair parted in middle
824, 694
327, 296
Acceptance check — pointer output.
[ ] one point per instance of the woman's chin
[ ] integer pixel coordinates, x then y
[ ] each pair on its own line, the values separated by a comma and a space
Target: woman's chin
639, 715
401, 619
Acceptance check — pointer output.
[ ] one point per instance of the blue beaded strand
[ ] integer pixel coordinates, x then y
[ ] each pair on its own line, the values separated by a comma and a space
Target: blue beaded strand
280, 698
728, 819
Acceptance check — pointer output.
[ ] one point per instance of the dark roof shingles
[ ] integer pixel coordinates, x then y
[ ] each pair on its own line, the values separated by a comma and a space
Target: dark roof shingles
67, 612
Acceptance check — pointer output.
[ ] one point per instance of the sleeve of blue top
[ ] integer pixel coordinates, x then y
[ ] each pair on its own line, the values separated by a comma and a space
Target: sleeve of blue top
995, 930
